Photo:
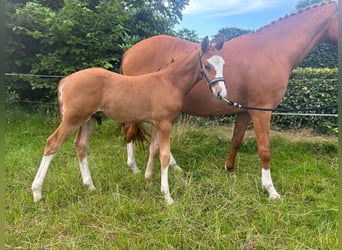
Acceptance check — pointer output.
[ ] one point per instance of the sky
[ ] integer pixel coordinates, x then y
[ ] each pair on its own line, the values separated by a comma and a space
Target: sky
207, 17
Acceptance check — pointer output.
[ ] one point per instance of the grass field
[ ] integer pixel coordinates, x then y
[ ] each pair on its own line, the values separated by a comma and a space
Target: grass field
212, 210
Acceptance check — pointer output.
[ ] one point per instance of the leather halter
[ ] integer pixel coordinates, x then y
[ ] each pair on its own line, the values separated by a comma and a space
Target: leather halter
204, 75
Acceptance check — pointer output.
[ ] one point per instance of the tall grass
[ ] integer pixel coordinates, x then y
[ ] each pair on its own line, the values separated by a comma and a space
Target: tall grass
212, 209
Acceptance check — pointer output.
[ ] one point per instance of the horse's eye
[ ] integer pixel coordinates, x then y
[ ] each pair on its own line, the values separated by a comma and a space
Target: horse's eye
207, 67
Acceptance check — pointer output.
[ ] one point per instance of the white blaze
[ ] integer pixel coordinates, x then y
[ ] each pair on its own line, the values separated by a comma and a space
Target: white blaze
217, 62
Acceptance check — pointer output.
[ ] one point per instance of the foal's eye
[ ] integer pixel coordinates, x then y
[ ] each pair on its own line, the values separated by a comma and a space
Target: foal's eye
207, 67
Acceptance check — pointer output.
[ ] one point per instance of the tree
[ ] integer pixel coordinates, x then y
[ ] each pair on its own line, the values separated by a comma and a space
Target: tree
79, 35
229, 33
187, 34
57, 37
149, 18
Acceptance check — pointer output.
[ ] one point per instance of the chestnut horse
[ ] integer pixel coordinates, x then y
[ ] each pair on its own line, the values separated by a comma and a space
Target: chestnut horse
155, 98
257, 74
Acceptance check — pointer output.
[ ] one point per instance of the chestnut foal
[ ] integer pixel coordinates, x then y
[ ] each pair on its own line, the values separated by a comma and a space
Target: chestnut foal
155, 97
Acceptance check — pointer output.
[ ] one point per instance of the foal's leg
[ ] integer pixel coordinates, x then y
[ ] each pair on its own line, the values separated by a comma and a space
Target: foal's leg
241, 123
53, 144
154, 146
173, 163
82, 144
261, 123
164, 133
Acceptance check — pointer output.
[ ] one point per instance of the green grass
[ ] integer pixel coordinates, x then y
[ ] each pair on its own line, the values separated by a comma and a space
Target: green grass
212, 210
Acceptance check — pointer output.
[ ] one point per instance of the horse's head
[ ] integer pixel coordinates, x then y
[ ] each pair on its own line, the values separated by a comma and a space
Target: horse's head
211, 64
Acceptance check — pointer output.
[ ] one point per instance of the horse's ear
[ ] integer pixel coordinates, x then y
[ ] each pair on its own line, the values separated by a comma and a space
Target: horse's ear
220, 43
205, 44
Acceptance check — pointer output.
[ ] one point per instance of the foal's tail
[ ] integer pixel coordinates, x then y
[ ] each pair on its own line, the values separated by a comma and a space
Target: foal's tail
135, 133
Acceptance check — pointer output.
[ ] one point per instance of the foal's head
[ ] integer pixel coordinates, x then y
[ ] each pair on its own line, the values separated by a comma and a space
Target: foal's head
212, 67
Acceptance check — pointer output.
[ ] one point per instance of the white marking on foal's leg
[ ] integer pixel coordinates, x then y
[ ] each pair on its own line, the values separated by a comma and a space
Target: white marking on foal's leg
40, 176
268, 184
131, 158
165, 186
153, 149
174, 164
86, 176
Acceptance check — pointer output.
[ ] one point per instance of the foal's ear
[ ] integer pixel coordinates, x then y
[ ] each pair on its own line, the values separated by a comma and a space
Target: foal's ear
205, 44
220, 43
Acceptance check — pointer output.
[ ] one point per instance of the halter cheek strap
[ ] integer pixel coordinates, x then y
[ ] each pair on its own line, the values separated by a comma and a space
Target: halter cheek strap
204, 75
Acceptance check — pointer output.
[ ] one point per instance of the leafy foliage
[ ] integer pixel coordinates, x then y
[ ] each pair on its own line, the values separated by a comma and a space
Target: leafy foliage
311, 88
323, 56
60, 37
187, 34
229, 33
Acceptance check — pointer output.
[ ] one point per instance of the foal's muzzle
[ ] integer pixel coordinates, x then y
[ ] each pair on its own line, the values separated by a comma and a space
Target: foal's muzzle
216, 81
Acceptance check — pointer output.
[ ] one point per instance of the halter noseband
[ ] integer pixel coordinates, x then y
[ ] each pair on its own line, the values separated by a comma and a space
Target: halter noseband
204, 75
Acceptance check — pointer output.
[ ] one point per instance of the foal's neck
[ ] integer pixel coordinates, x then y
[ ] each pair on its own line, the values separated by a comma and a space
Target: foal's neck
184, 72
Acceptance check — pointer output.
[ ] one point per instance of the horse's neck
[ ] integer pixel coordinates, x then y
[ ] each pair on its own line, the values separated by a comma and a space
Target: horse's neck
293, 37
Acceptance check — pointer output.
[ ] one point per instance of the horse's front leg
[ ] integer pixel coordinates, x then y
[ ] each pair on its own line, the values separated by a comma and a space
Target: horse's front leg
164, 133
241, 123
261, 123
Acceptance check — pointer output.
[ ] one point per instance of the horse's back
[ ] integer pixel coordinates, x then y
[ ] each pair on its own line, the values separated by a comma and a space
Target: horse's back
150, 54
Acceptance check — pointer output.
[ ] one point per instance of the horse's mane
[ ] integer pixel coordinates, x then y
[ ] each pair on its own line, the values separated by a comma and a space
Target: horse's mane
295, 13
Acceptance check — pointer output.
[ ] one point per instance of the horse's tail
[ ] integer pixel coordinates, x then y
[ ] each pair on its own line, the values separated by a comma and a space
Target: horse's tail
135, 133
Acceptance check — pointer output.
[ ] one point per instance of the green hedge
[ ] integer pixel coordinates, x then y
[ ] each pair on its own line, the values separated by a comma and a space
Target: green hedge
310, 87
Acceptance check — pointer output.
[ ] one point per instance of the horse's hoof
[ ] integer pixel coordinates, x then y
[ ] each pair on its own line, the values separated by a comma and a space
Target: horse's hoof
229, 169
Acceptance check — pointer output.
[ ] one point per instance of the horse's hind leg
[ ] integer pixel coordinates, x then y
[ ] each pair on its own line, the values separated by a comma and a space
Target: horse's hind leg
53, 144
261, 123
131, 158
82, 144
130, 132
241, 123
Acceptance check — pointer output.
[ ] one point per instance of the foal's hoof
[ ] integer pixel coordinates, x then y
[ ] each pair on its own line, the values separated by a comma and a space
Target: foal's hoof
90, 187
177, 168
38, 197
136, 170
274, 196
169, 201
